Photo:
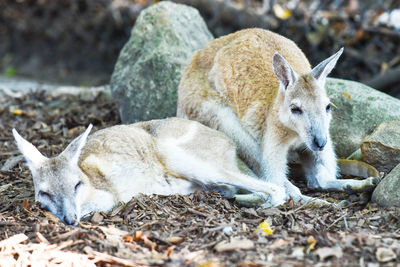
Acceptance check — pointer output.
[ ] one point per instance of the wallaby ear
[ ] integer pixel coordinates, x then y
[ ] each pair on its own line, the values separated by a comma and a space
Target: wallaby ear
325, 67
73, 150
283, 70
33, 157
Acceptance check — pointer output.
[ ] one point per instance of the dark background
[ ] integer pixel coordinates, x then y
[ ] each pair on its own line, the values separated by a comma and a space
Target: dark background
78, 41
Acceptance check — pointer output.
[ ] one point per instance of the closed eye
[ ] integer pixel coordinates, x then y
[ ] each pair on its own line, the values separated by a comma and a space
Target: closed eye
78, 185
45, 194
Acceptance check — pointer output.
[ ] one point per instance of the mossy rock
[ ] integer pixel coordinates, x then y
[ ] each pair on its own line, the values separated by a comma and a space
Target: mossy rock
147, 73
359, 110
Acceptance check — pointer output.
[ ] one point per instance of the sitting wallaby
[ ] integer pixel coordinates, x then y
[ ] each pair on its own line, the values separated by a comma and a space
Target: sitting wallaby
258, 88
171, 156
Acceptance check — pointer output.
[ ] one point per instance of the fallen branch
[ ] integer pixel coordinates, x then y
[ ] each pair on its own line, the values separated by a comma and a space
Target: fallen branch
385, 81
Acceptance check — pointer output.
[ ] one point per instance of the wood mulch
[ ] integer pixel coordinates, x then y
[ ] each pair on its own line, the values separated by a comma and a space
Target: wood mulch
200, 229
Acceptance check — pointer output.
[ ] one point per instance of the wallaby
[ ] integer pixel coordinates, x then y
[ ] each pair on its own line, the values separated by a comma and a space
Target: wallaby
258, 88
170, 156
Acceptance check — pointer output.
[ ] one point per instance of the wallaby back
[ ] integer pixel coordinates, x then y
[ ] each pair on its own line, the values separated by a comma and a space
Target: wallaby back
237, 70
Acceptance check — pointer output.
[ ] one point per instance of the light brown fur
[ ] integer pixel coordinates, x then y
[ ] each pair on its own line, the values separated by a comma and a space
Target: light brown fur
243, 60
258, 88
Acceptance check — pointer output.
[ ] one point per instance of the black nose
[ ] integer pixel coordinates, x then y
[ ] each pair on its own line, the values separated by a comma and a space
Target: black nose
319, 143
69, 220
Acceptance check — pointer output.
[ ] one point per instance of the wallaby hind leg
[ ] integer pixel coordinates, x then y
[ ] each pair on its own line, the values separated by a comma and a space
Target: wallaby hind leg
190, 157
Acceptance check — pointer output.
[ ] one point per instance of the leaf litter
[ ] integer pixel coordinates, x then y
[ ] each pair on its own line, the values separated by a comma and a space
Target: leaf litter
200, 229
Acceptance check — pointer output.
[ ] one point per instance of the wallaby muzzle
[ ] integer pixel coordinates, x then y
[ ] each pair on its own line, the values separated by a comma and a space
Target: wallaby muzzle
318, 143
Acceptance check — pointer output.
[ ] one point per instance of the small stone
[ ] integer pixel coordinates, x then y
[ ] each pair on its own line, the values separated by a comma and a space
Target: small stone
175, 239
385, 254
327, 252
298, 253
228, 230
96, 218
234, 244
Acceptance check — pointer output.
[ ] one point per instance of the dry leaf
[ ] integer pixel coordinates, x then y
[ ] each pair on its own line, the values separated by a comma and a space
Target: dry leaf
312, 243
41, 238
385, 254
264, 229
170, 250
25, 204
346, 94
278, 243
17, 112
175, 239
210, 263
138, 236
128, 238
327, 252
234, 244
282, 13
148, 243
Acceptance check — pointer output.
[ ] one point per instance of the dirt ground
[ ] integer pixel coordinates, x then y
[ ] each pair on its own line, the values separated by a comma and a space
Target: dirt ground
201, 229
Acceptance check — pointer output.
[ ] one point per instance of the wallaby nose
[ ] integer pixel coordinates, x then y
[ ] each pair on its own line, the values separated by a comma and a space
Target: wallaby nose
319, 143
69, 220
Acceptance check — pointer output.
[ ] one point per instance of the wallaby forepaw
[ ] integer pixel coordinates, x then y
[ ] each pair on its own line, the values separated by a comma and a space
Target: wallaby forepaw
367, 185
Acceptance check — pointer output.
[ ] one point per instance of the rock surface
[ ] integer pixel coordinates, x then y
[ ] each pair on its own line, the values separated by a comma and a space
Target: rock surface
387, 193
381, 149
146, 76
360, 109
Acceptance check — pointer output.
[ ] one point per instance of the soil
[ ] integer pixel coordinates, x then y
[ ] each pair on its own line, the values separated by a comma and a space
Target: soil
180, 230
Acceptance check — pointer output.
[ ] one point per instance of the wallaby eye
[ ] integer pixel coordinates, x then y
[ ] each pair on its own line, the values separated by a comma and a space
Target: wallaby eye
45, 194
328, 108
296, 110
78, 185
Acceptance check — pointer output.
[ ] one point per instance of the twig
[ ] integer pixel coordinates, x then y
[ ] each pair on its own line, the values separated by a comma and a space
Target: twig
197, 212
337, 220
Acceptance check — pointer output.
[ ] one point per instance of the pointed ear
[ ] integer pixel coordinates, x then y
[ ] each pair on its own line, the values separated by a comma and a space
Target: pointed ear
73, 150
32, 156
283, 70
325, 67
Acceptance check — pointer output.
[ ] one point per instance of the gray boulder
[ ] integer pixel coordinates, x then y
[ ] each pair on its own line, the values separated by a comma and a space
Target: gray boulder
387, 193
146, 76
381, 149
360, 109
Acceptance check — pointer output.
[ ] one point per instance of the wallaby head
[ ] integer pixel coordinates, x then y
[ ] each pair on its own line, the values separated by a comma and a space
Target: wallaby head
305, 106
60, 185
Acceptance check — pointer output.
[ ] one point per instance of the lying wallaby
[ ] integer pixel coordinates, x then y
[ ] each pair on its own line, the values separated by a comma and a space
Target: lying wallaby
171, 156
258, 88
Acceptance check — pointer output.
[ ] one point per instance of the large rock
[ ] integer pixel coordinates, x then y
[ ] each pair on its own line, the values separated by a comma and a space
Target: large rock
146, 76
387, 193
360, 109
381, 149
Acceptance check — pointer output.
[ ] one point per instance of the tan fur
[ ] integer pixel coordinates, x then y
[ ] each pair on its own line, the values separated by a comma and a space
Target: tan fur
243, 60
258, 88
170, 156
